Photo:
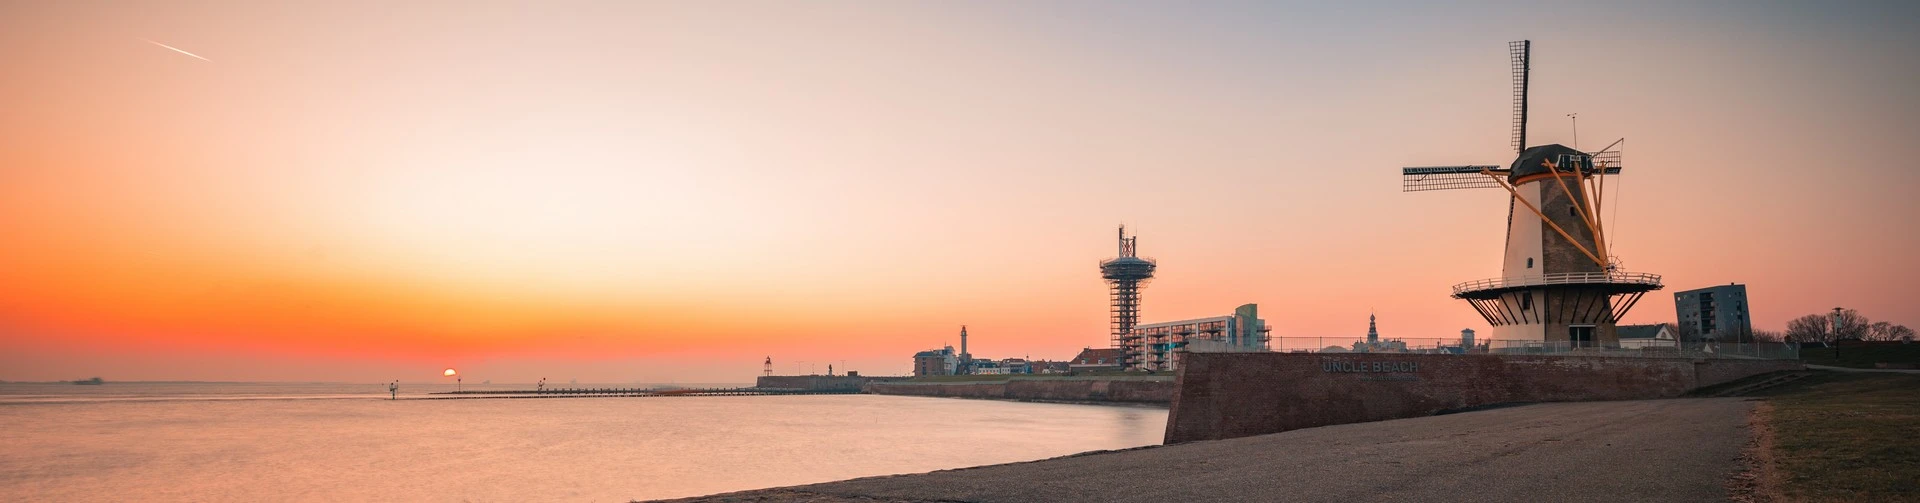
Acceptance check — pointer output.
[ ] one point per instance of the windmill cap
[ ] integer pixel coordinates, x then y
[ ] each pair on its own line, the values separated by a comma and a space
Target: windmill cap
1531, 160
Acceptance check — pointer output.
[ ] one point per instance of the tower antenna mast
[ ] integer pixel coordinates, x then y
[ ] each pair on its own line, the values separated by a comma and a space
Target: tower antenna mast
1576, 129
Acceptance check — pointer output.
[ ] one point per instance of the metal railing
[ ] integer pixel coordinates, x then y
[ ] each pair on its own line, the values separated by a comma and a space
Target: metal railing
1566, 278
1625, 348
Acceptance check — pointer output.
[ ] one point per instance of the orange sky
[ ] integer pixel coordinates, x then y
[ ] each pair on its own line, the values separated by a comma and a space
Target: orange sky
626, 191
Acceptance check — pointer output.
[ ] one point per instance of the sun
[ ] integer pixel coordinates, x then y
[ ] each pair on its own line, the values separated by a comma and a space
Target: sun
449, 373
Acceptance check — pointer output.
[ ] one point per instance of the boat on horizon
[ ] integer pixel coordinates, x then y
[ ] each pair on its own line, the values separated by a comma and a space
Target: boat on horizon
91, 382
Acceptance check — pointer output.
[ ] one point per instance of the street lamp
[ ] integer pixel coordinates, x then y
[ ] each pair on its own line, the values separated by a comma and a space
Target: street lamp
1834, 329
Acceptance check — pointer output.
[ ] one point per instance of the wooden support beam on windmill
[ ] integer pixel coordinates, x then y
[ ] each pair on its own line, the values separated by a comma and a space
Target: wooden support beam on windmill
1549, 221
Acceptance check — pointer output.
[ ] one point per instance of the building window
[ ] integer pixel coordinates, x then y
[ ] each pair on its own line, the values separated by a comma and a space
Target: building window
1529, 262
1526, 302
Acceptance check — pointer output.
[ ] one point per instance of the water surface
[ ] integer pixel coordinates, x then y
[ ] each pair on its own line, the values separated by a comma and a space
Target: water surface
329, 442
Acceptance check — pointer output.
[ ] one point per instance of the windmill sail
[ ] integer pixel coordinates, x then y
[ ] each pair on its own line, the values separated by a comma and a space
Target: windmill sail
1421, 178
1610, 156
1521, 53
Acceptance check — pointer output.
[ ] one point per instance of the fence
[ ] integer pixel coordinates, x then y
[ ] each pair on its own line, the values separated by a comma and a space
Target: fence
1629, 347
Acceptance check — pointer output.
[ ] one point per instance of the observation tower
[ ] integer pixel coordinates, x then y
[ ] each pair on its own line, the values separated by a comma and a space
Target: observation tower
1125, 274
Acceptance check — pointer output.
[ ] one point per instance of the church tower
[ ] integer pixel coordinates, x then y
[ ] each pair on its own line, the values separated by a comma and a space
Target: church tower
964, 355
1373, 334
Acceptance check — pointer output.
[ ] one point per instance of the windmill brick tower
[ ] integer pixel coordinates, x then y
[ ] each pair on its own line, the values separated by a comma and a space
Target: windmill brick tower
1558, 283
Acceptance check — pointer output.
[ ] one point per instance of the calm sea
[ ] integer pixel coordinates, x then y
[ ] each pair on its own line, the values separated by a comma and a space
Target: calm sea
346, 442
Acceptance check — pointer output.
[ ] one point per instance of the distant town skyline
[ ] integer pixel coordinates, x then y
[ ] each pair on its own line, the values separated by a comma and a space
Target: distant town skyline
618, 192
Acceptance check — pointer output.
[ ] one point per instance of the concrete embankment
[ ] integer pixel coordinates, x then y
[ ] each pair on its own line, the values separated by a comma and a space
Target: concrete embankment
1078, 389
1653, 450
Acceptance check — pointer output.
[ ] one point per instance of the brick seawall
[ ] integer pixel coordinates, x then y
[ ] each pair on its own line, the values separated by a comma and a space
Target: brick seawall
1229, 395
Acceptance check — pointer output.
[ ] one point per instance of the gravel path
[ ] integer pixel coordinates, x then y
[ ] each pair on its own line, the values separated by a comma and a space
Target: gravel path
1649, 450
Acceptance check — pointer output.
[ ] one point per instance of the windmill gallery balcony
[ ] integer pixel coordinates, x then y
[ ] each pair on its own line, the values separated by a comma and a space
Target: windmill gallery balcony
1625, 282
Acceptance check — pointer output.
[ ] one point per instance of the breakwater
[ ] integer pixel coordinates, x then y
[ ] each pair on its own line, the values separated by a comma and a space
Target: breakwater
1079, 389
1228, 395
631, 392
849, 384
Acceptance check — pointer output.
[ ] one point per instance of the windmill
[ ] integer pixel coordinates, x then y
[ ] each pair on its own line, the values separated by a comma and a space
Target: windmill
1559, 283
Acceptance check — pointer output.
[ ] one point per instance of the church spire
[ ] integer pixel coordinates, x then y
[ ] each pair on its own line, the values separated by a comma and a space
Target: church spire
1373, 334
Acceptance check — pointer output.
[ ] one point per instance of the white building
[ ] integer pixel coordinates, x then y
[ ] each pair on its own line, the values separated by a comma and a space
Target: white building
1156, 346
1646, 336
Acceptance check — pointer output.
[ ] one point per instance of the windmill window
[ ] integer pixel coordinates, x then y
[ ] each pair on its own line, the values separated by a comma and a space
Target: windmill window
1529, 262
1572, 212
1526, 302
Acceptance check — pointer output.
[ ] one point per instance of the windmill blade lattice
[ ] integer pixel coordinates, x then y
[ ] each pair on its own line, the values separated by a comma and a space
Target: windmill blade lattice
1423, 178
1610, 156
1520, 54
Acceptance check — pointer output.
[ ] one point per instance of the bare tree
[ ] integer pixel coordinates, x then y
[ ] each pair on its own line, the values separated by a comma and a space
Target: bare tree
1883, 331
1809, 328
1848, 325
1851, 325
1876, 330
1769, 336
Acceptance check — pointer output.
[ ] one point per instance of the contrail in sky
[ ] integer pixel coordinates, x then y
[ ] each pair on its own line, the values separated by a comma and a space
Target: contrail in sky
177, 49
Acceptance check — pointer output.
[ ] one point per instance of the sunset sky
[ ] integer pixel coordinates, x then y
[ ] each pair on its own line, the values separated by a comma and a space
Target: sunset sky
654, 191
